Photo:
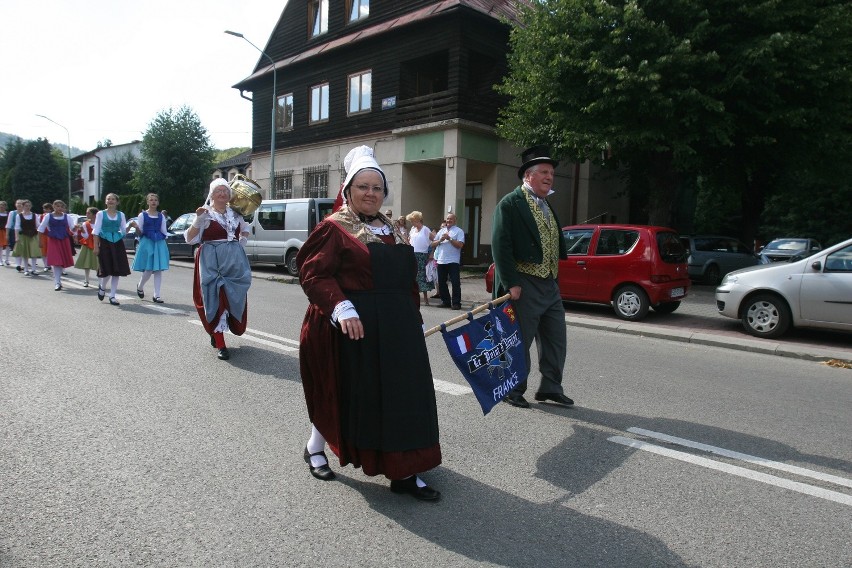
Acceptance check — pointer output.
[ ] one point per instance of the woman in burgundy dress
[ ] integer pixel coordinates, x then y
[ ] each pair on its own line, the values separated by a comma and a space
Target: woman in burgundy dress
363, 359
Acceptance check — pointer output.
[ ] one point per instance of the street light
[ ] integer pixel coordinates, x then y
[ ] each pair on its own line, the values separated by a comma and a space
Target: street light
274, 104
69, 154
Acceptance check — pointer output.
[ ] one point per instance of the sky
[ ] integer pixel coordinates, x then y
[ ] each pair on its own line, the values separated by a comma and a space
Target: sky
103, 69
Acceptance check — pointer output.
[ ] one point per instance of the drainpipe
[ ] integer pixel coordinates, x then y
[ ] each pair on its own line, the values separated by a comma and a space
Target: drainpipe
575, 197
98, 196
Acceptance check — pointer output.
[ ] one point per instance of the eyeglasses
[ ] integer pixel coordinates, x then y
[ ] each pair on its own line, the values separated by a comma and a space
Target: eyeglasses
365, 188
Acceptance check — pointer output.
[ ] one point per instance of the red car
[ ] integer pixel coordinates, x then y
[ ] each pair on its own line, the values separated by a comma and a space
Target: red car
631, 267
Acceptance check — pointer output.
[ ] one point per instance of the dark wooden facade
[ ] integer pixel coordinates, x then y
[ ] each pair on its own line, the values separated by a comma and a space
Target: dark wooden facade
438, 59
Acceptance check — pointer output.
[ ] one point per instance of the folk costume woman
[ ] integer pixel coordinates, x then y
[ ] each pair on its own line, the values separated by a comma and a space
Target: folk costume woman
26, 238
222, 274
363, 359
56, 226
86, 260
109, 230
152, 253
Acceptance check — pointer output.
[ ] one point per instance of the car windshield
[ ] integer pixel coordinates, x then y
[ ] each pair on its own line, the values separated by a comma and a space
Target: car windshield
792, 245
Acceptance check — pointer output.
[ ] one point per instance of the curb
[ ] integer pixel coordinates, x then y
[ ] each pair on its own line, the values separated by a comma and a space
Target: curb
794, 351
780, 349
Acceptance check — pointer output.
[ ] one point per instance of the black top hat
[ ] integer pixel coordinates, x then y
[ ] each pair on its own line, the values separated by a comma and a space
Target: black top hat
536, 155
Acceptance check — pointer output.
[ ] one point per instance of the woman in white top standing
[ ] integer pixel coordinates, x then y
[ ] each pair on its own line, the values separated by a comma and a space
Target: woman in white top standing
109, 230
420, 237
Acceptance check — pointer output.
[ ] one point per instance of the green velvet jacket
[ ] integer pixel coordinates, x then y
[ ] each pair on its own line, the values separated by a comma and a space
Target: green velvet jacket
515, 238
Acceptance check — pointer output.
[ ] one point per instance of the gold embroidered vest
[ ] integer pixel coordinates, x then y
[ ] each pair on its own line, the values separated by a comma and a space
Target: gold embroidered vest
549, 234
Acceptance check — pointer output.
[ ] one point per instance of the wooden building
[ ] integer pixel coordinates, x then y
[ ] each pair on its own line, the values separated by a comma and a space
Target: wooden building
414, 80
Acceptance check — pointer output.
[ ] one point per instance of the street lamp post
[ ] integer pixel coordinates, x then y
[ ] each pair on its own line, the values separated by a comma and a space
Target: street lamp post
274, 104
69, 154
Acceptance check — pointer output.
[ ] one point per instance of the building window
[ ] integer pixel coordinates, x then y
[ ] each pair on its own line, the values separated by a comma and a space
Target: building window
319, 103
91, 173
317, 17
284, 113
316, 181
360, 90
357, 9
283, 185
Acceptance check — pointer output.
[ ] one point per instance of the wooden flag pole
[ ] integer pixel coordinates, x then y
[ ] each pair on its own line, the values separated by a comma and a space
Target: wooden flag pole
463, 317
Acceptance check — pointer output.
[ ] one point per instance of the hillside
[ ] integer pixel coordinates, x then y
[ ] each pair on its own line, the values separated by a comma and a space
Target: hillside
6, 137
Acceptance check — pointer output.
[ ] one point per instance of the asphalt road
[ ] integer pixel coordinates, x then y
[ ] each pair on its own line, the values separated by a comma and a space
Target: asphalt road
127, 443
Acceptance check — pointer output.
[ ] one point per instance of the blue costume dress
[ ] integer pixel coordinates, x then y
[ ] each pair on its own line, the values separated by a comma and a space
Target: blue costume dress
152, 253
112, 256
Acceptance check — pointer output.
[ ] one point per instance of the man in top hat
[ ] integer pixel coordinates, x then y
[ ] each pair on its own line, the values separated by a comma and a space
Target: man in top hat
527, 244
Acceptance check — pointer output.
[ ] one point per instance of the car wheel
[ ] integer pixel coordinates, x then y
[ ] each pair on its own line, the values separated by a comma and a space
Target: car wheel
290, 263
712, 275
630, 303
666, 307
766, 315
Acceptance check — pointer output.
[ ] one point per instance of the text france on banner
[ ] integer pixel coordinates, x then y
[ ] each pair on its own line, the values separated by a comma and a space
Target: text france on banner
489, 352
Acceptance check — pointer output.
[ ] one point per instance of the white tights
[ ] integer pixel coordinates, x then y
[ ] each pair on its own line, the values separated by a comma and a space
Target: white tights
113, 287
158, 280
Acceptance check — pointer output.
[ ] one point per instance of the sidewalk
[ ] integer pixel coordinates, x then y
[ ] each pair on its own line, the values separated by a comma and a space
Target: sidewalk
696, 321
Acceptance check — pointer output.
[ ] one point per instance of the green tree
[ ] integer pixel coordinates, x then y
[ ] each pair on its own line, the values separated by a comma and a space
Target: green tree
177, 158
8, 163
118, 174
734, 93
38, 176
613, 83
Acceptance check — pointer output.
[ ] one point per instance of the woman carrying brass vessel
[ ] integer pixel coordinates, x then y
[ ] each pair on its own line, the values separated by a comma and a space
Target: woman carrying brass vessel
222, 274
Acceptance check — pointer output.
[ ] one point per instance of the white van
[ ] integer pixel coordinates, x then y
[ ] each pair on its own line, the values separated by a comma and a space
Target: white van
279, 227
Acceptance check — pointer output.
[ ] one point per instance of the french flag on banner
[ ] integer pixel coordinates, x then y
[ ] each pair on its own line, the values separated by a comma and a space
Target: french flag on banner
464, 344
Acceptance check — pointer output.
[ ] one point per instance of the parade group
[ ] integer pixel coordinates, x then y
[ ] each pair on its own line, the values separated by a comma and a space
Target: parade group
373, 402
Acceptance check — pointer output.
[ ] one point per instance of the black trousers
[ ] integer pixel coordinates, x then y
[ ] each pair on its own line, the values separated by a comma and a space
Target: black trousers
451, 271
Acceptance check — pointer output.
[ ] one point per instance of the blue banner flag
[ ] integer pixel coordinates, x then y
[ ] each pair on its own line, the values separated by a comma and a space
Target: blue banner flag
489, 352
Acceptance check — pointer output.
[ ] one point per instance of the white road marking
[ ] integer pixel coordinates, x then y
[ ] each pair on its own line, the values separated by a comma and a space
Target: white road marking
451, 388
804, 488
442, 386
249, 335
744, 457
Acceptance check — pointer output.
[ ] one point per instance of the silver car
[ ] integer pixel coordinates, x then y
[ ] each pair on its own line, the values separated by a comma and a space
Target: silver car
813, 292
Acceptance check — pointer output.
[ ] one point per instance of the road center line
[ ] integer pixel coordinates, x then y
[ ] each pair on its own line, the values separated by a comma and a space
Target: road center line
744, 457
804, 488
442, 386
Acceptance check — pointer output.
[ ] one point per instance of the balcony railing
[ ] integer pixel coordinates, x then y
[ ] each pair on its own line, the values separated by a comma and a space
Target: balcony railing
443, 105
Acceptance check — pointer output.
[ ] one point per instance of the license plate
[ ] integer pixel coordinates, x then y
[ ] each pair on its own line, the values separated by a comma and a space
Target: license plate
676, 292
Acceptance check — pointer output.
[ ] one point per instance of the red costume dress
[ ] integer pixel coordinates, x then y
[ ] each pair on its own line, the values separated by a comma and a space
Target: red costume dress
372, 399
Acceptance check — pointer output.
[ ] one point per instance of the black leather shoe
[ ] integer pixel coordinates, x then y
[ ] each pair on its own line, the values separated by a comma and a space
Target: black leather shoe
409, 485
516, 400
114, 302
224, 354
445, 306
140, 292
554, 397
456, 306
323, 472
101, 294
157, 300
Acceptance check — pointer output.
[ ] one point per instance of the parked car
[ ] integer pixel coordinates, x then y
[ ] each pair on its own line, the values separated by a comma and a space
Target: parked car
131, 240
787, 249
713, 256
631, 267
279, 227
813, 292
175, 240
